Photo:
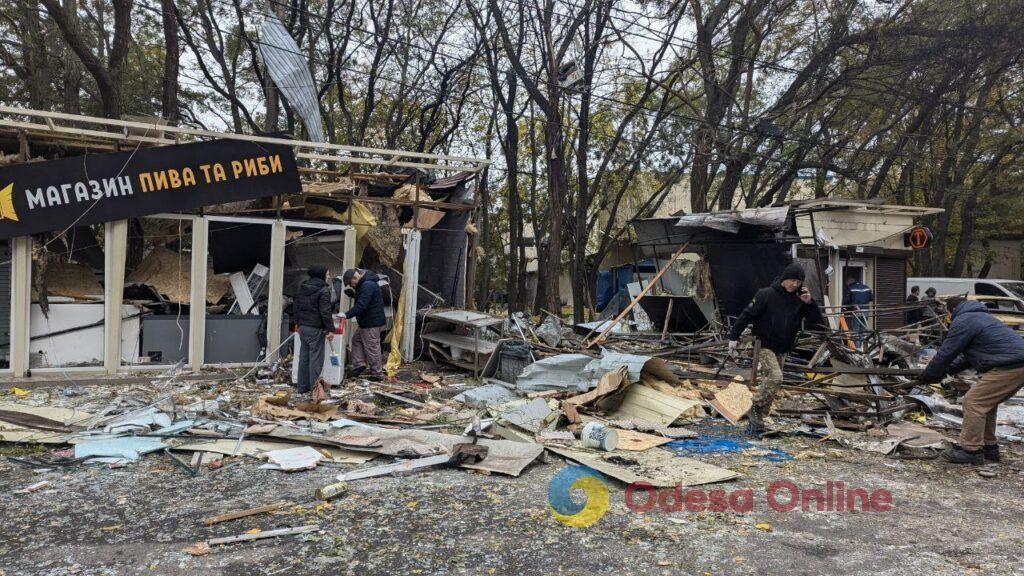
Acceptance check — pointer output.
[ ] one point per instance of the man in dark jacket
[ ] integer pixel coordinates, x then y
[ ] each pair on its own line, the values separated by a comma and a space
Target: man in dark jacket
368, 310
856, 299
978, 340
777, 313
914, 314
312, 312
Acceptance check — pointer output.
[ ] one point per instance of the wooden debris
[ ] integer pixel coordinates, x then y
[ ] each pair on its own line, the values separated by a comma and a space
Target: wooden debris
733, 402
243, 513
633, 441
263, 535
33, 487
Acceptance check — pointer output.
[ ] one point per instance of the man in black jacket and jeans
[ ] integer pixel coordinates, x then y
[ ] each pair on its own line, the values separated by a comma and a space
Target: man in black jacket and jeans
312, 312
368, 310
777, 313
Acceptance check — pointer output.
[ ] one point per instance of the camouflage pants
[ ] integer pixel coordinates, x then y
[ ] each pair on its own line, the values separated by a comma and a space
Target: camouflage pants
769, 379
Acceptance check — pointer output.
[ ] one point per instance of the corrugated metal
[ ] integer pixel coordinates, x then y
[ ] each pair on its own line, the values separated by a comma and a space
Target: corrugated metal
890, 290
288, 67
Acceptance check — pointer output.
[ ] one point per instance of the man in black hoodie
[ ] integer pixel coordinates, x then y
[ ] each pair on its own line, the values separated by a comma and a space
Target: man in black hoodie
777, 313
312, 312
368, 310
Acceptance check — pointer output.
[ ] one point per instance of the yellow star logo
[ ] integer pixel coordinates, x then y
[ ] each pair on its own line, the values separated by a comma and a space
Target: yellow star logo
7, 211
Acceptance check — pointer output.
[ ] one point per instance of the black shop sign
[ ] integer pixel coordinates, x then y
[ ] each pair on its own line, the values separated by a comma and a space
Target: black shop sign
53, 195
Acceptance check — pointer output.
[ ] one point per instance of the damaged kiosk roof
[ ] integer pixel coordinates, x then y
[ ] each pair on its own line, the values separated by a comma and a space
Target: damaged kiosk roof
660, 237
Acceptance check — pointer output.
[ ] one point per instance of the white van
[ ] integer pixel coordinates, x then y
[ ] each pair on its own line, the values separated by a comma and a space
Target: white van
979, 286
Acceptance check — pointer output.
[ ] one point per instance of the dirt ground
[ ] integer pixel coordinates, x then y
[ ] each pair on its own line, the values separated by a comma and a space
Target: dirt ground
93, 520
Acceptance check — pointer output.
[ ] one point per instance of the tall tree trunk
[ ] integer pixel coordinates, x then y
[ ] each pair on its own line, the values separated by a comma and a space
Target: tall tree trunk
108, 74
172, 55
72, 65
36, 59
556, 207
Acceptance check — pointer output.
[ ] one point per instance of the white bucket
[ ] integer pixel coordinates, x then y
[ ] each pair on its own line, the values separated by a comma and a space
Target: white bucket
597, 435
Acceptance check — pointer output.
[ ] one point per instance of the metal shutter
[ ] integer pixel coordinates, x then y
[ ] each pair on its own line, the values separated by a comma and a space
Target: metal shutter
890, 290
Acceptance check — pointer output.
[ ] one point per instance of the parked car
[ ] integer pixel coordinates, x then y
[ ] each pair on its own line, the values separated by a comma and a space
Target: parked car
980, 286
1009, 311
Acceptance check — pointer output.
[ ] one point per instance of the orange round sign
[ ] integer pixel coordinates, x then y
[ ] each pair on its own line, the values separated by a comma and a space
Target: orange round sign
919, 237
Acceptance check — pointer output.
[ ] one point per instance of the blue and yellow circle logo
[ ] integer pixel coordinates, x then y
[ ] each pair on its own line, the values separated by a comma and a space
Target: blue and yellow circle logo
573, 512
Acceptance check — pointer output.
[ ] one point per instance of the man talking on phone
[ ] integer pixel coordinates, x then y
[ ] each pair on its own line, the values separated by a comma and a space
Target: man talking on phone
777, 314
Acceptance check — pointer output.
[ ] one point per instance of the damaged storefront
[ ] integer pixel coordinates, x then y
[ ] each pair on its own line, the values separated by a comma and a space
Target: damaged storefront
132, 246
722, 258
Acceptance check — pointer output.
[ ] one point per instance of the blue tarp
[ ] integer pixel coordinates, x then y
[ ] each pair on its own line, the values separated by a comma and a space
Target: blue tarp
614, 280
722, 439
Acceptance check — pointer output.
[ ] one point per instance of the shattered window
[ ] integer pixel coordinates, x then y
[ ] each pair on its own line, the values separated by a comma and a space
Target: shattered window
237, 291
67, 316
157, 293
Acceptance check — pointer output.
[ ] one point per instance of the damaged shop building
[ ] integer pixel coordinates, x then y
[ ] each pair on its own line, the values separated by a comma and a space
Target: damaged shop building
169, 272
726, 256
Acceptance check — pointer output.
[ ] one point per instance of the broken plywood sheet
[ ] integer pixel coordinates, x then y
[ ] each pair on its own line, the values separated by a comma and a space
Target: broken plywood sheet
66, 416
276, 408
633, 441
658, 468
256, 448
426, 219
642, 402
917, 436
609, 382
503, 456
170, 274
9, 433
733, 402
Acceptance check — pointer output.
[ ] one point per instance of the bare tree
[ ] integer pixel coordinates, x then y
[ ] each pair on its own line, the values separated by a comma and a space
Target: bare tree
108, 74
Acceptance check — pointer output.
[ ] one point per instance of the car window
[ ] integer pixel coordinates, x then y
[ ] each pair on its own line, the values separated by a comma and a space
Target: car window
987, 289
1016, 287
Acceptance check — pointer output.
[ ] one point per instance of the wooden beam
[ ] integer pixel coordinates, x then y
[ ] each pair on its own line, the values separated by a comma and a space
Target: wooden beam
243, 513
650, 284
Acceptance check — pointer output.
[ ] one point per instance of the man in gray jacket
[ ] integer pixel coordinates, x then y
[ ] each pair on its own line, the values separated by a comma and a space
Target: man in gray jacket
978, 340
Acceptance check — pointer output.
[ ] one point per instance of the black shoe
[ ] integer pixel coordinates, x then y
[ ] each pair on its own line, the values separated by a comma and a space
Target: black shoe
991, 453
353, 372
374, 377
957, 455
755, 422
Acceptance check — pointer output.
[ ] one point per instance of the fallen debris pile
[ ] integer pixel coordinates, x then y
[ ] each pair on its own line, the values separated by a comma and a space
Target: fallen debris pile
641, 409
